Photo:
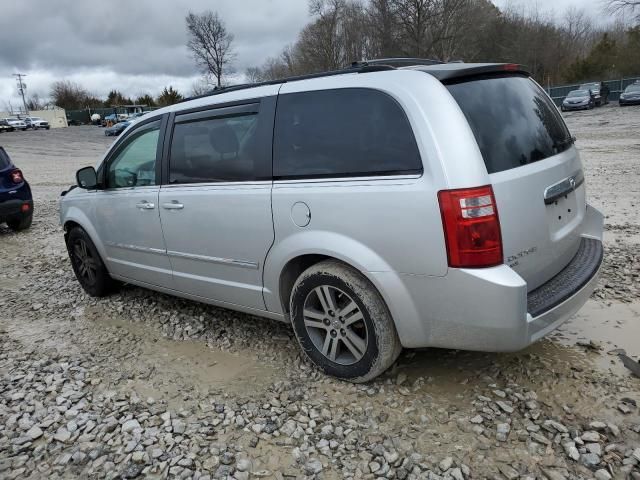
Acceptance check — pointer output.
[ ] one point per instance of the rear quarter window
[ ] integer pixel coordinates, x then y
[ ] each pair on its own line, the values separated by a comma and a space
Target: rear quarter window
513, 120
341, 133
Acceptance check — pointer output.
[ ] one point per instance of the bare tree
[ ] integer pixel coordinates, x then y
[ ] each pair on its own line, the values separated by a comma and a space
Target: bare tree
71, 96
34, 102
382, 29
624, 6
414, 18
253, 74
200, 87
210, 43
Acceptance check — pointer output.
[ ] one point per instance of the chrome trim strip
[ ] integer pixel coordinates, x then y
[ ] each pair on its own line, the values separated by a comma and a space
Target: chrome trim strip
136, 248
563, 187
223, 261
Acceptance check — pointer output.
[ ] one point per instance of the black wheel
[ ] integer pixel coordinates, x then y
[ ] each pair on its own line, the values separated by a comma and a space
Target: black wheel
342, 323
87, 264
22, 223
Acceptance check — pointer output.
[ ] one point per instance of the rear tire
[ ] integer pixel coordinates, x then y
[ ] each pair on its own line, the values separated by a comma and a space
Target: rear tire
342, 323
89, 268
19, 224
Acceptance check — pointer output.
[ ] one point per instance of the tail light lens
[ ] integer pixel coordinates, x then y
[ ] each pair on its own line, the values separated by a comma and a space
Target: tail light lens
471, 227
16, 176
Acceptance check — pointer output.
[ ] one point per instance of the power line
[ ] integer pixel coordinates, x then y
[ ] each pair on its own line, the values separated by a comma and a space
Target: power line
21, 88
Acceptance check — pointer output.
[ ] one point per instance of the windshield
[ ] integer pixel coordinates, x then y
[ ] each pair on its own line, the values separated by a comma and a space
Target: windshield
514, 121
632, 88
578, 93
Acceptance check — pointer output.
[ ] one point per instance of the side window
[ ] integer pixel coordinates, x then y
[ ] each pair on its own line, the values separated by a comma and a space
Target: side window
221, 149
135, 163
345, 132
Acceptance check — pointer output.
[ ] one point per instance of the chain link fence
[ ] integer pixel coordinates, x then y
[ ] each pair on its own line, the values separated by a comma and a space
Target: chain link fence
616, 87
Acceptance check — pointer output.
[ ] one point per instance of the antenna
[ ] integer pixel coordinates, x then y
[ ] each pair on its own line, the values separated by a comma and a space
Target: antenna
21, 88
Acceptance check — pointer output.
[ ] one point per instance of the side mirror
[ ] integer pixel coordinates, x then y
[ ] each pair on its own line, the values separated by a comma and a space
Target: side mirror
87, 178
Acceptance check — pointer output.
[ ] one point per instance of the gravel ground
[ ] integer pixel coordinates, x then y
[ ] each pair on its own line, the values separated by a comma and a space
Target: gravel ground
144, 385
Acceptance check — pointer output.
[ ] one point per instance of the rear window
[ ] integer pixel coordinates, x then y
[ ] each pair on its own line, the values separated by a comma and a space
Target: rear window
341, 133
4, 159
514, 121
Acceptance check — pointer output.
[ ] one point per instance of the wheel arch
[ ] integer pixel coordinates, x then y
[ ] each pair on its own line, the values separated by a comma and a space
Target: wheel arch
76, 218
293, 255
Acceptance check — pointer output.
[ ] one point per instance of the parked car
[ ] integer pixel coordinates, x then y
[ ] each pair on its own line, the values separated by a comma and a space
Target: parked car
117, 129
16, 123
36, 123
5, 127
109, 120
631, 95
16, 202
600, 92
374, 208
578, 100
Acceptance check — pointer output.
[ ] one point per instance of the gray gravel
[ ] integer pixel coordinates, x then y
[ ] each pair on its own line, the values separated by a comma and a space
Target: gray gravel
144, 385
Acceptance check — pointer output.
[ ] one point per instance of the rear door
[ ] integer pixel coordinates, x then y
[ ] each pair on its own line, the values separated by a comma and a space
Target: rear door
534, 168
215, 205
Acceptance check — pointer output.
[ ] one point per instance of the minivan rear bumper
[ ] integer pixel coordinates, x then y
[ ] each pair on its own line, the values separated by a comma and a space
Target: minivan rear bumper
490, 309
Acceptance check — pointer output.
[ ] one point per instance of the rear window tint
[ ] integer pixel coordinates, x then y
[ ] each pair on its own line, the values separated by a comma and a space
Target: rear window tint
4, 159
514, 121
345, 132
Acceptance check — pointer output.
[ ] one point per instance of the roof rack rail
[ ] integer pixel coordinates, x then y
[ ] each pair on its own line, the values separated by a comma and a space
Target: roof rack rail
398, 62
362, 68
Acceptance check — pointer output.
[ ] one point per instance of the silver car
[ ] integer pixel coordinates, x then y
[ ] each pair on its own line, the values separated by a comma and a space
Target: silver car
578, 100
374, 208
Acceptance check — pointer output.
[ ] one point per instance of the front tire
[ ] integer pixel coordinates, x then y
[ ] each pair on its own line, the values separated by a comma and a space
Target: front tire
89, 268
342, 323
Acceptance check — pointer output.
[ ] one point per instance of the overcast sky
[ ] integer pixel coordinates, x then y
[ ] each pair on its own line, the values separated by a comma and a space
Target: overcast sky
138, 46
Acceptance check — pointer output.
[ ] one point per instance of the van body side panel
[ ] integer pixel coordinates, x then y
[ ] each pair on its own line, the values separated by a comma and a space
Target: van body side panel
374, 225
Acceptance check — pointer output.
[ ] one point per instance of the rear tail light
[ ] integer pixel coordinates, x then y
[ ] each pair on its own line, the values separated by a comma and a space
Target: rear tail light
471, 227
16, 176
25, 207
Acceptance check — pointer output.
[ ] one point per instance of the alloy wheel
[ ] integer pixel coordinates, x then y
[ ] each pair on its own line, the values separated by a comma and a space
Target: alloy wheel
335, 324
85, 262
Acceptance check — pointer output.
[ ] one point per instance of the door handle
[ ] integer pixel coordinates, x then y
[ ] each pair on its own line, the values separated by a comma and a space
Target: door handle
173, 205
144, 205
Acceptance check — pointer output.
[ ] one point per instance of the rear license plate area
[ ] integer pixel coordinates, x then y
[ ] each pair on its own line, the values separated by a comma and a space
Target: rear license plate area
562, 211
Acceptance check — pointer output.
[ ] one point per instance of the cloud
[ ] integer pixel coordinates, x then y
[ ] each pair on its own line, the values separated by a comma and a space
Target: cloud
130, 44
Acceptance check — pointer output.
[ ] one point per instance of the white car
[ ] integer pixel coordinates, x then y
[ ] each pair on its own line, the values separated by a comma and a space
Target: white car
36, 123
17, 123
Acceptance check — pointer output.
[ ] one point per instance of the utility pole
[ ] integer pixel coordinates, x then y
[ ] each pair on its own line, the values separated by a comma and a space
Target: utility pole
21, 88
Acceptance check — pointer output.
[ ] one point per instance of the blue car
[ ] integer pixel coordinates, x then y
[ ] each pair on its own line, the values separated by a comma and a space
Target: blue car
16, 202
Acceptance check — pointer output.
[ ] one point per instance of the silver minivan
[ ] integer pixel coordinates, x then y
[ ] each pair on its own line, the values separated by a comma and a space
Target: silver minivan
373, 208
